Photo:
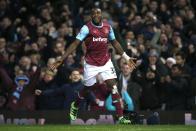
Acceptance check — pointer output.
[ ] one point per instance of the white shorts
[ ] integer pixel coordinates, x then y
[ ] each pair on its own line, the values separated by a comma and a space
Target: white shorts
106, 71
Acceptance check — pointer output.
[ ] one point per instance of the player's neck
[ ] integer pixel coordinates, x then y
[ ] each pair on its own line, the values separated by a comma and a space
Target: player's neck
97, 24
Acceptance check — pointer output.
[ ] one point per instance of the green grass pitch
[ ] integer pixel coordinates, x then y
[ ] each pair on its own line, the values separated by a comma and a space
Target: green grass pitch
97, 128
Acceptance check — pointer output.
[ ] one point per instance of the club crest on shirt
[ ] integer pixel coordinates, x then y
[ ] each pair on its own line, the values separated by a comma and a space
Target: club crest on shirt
95, 31
106, 31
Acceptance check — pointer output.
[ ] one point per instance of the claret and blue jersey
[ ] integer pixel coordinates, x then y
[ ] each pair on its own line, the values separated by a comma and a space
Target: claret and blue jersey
96, 40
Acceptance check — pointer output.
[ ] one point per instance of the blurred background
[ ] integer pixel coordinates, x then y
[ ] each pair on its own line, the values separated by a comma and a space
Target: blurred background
161, 34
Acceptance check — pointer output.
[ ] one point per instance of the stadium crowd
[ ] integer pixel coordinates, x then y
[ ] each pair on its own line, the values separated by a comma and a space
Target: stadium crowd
161, 34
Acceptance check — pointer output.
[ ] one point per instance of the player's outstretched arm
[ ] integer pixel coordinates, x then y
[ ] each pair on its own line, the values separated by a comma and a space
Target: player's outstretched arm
119, 49
68, 51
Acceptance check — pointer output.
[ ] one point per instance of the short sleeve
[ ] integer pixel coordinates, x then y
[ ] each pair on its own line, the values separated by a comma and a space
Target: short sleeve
111, 34
84, 31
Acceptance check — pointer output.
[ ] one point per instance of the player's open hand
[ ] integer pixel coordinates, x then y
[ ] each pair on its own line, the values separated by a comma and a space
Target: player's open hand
132, 62
55, 65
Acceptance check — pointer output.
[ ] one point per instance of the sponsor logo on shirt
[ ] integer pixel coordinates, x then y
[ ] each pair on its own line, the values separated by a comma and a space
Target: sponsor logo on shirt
99, 39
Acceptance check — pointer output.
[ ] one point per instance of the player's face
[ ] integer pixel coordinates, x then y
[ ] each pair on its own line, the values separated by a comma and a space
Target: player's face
96, 16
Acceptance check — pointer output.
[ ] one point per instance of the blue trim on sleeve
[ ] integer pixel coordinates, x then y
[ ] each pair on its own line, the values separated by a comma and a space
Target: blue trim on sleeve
84, 31
111, 34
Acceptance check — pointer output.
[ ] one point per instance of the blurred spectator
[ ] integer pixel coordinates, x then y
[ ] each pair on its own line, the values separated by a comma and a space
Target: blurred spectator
153, 6
176, 43
25, 64
32, 26
164, 14
15, 98
48, 102
59, 49
3, 100
155, 64
23, 35
131, 43
191, 57
45, 14
4, 55
177, 87
5, 86
127, 85
164, 46
181, 60
54, 97
7, 29
21, 96
149, 97
178, 23
4, 8
72, 89
170, 62
50, 62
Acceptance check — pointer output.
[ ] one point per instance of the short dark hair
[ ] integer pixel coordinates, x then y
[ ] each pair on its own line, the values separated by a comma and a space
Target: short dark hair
95, 8
177, 66
181, 54
75, 69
